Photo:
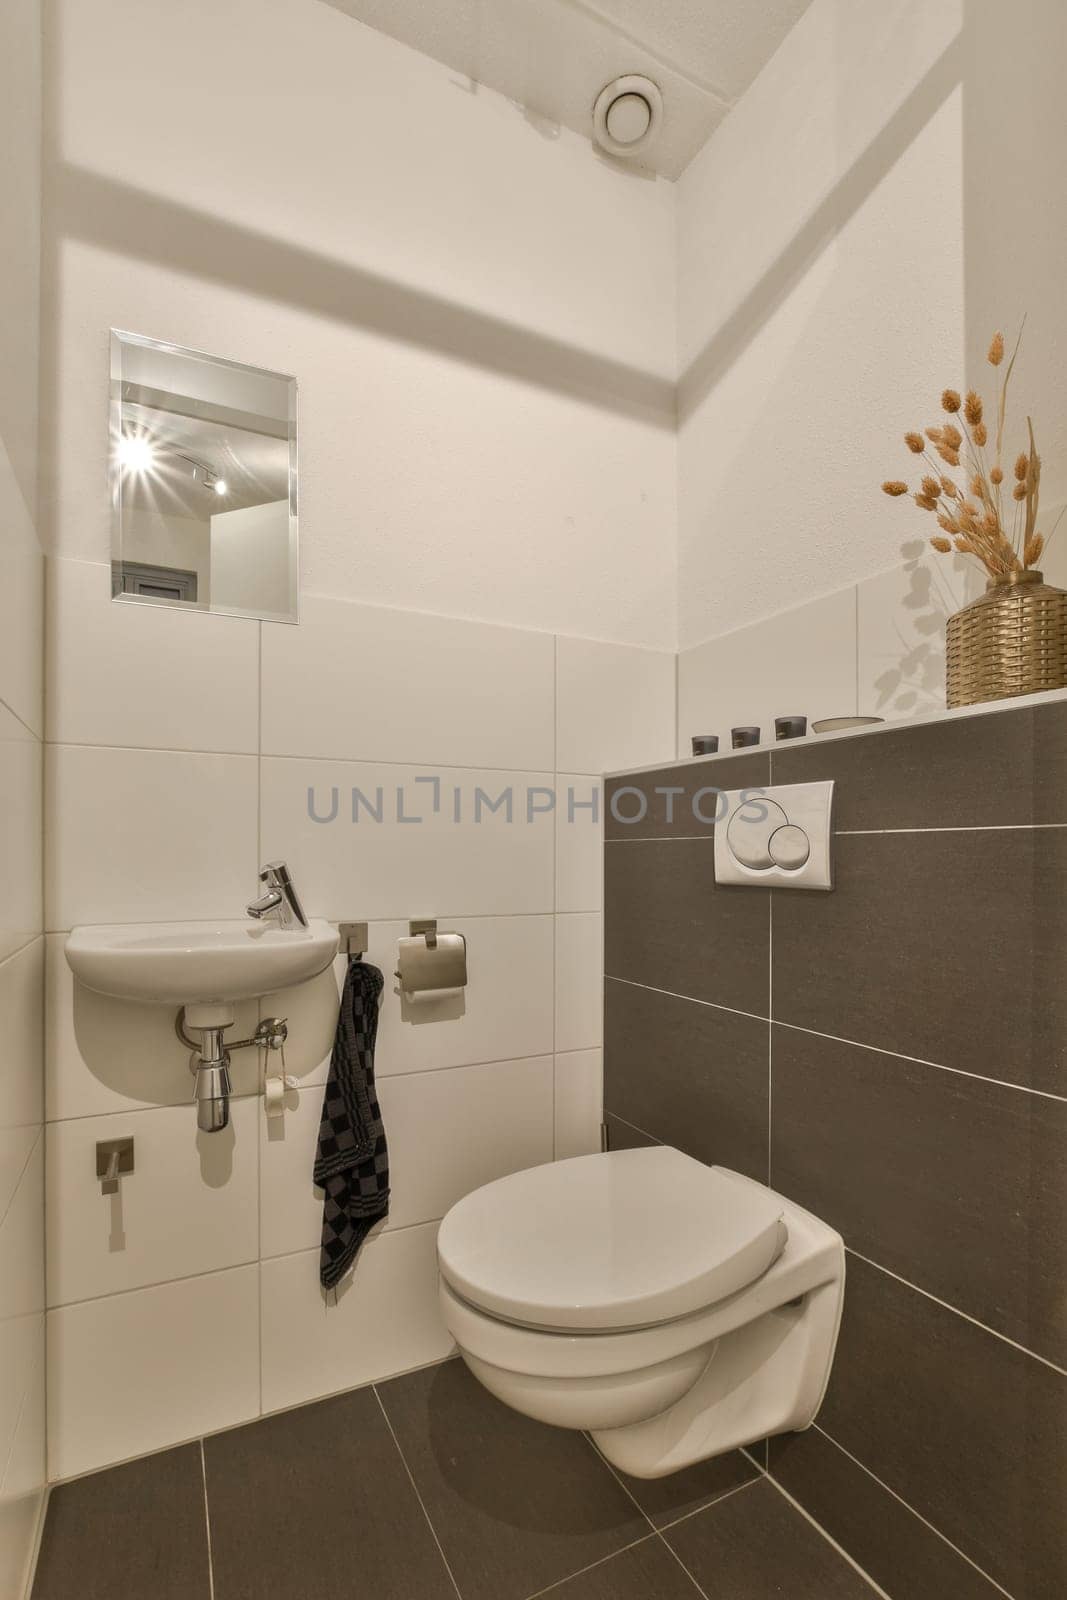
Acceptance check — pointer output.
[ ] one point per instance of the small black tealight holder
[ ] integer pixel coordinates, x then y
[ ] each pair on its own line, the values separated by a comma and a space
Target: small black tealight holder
790, 727
741, 738
705, 744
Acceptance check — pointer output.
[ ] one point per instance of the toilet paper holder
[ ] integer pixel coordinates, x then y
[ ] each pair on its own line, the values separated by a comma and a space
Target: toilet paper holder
429, 961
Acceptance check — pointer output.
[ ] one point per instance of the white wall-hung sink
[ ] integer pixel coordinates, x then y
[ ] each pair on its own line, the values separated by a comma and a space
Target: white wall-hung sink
201, 965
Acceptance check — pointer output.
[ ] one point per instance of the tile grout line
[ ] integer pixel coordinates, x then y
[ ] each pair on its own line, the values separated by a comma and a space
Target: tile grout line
727, 1494
836, 1038
555, 881
909, 1507
770, 1032
830, 1540
947, 1306
656, 1531
646, 1538
207, 1525
415, 1491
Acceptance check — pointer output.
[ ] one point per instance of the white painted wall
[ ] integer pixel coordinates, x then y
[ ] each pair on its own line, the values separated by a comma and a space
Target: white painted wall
887, 194
480, 316
22, 1362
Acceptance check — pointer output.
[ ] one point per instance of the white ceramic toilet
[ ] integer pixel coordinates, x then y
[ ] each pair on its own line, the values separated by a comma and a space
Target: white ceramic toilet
675, 1310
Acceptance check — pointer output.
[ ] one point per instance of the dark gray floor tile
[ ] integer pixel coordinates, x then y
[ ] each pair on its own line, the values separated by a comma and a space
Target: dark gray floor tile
316, 1502
690, 1075
756, 1546
621, 1136
968, 1430
634, 810
668, 924
647, 1571
516, 1505
131, 1533
957, 1184
946, 946
664, 1500
1005, 768
897, 1549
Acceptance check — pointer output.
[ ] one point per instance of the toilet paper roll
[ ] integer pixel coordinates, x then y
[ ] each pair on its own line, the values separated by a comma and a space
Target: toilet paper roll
274, 1096
423, 968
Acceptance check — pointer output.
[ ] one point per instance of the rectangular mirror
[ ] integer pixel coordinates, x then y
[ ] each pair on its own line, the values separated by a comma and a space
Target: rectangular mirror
203, 482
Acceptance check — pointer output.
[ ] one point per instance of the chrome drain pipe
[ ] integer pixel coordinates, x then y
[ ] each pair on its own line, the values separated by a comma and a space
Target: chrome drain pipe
210, 1066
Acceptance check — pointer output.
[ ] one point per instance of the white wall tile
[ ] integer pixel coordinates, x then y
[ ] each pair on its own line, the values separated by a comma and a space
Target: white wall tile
393, 868
22, 1038
579, 843
448, 1133
406, 686
614, 705
148, 835
20, 835
120, 673
901, 618
506, 1009
579, 981
22, 1240
383, 1319
104, 1055
21, 1348
22, 1486
190, 1206
579, 1103
798, 663
22, 627
135, 1372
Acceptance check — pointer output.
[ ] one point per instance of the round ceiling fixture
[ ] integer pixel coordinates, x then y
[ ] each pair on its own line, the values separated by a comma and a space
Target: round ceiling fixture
627, 115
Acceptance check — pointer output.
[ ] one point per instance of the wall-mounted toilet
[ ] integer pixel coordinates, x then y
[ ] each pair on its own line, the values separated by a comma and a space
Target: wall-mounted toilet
674, 1310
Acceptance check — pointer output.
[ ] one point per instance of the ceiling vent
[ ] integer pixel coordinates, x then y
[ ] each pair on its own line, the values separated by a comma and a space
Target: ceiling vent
627, 115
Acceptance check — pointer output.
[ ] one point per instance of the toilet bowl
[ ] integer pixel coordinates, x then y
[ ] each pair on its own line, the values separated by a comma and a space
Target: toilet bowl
675, 1311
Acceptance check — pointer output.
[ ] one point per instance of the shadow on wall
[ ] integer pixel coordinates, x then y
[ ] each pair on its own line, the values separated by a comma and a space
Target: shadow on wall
826, 221
913, 680
144, 227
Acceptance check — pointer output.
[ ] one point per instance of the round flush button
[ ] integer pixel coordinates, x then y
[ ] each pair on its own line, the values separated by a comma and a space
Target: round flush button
789, 846
750, 830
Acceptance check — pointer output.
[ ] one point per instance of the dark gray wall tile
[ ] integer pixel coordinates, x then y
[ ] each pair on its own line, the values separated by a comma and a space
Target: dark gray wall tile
1004, 768
897, 1549
690, 1075
136, 1530
946, 946
669, 925
969, 1431
754, 1545
954, 1183
647, 1571
516, 1505
665, 1500
651, 815
316, 1502
621, 1136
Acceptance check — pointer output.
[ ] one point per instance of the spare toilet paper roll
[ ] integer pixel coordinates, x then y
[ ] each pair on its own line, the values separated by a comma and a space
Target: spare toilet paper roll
424, 969
274, 1096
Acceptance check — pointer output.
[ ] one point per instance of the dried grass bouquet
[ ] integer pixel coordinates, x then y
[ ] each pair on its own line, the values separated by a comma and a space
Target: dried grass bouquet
975, 518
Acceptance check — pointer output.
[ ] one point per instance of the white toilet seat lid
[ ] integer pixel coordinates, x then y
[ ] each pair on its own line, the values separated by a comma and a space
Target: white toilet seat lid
622, 1240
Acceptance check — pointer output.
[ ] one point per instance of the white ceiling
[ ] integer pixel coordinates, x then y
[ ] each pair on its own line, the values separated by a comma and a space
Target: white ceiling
552, 57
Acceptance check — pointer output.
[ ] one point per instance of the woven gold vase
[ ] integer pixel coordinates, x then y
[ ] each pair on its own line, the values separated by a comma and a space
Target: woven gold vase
1012, 640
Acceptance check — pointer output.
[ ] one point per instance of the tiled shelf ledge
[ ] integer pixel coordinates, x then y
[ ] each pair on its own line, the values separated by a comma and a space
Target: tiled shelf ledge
983, 709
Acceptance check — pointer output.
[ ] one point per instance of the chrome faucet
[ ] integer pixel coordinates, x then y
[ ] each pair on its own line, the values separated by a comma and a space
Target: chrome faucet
281, 903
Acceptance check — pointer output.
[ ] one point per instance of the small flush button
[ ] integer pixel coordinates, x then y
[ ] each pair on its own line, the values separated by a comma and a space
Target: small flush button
789, 846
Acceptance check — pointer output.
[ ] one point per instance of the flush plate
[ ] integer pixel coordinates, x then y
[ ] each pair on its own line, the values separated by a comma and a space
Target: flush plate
779, 836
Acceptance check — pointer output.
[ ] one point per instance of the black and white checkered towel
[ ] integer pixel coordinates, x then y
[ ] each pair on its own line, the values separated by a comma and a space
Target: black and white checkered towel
352, 1167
